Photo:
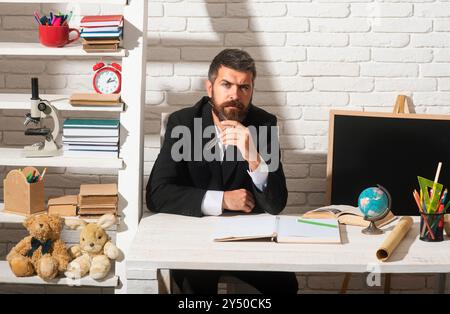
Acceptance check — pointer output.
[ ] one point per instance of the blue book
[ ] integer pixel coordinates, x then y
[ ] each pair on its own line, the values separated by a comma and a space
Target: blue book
100, 34
91, 123
101, 29
117, 32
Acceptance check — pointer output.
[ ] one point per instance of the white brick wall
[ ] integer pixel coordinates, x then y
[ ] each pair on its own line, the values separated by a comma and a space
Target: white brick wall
311, 56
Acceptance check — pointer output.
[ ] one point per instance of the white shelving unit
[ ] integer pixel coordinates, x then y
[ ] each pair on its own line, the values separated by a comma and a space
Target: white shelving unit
114, 2
9, 218
6, 276
36, 49
13, 157
61, 102
130, 161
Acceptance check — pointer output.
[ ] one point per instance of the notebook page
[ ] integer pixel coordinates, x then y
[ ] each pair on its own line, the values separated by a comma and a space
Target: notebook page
293, 227
244, 227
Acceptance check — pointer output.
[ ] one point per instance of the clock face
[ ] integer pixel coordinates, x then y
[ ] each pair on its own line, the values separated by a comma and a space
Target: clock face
107, 81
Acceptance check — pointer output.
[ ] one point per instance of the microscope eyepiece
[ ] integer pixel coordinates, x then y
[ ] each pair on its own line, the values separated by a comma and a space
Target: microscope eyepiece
34, 88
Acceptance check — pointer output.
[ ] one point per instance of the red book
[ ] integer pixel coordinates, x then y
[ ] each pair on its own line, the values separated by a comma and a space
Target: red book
101, 20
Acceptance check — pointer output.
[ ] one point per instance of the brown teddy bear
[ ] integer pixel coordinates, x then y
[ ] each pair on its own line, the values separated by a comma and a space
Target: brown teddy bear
42, 252
95, 250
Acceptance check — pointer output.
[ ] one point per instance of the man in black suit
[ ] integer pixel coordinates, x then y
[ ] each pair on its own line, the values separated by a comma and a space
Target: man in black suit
237, 170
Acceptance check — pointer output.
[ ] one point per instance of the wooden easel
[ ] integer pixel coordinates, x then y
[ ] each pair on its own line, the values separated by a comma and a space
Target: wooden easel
401, 106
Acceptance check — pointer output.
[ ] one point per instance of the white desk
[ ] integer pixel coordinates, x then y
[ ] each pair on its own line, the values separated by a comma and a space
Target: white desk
166, 241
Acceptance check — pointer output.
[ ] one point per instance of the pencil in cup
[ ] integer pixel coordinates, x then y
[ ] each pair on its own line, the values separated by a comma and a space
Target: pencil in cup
425, 221
41, 177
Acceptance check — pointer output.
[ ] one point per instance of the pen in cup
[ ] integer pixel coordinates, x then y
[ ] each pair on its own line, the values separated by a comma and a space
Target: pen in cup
37, 17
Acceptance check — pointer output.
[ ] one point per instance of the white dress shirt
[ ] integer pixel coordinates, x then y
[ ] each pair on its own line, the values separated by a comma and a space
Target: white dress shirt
212, 201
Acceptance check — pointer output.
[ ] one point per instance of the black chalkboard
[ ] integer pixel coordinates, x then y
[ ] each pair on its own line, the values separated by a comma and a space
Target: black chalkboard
387, 149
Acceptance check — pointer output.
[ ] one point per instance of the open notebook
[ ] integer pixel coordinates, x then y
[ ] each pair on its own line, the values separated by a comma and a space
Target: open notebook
282, 229
347, 215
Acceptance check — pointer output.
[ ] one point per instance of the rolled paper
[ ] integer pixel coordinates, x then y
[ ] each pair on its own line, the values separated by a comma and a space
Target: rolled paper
395, 237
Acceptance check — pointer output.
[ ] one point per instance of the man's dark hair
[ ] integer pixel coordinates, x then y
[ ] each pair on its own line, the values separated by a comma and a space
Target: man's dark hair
235, 59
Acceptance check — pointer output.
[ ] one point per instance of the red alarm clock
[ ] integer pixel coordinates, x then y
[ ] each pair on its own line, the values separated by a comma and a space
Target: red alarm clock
107, 78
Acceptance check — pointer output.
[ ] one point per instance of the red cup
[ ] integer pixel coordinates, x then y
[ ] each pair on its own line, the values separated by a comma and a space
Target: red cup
56, 36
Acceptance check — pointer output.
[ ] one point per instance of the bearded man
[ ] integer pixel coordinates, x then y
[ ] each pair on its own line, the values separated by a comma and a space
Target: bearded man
222, 155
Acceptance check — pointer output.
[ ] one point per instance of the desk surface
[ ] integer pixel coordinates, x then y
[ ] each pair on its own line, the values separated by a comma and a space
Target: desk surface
166, 241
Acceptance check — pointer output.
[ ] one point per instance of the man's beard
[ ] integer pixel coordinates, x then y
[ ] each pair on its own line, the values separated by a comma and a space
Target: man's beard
230, 110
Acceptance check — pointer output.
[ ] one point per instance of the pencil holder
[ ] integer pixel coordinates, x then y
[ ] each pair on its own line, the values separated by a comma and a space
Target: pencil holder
22, 197
432, 227
56, 36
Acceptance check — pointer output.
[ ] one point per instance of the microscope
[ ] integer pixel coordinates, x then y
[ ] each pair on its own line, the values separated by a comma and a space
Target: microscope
41, 109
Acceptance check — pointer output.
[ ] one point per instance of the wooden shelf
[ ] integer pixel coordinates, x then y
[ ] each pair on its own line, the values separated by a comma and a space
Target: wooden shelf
61, 102
36, 49
116, 2
13, 157
6, 276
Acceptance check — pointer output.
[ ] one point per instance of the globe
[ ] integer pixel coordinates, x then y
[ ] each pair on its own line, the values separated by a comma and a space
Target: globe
374, 203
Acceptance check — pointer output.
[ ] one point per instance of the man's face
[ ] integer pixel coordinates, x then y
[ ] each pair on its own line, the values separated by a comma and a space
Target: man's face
231, 93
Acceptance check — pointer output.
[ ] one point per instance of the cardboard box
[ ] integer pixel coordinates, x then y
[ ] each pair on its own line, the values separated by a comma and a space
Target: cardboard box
21, 197
97, 199
108, 189
98, 194
63, 205
97, 211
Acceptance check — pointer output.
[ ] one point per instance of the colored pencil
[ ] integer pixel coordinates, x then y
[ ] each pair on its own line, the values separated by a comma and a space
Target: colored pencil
416, 197
42, 175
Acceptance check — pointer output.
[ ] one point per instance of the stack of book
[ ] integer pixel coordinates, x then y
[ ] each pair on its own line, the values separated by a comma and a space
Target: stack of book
97, 199
91, 138
101, 33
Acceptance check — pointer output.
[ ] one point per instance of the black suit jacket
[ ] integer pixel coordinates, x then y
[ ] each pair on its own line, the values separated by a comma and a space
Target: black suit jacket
178, 187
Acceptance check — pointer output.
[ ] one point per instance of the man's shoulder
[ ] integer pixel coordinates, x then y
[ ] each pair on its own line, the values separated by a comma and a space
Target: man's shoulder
258, 115
186, 115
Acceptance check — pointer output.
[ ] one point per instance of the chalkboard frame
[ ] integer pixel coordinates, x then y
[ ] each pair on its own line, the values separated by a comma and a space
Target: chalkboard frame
334, 113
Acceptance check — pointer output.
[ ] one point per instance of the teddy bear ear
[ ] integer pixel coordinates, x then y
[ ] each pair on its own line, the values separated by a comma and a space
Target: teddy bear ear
57, 220
28, 221
106, 221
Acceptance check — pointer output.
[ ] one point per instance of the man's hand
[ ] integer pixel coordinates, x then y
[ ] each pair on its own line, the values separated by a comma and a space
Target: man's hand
234, 133
238, 200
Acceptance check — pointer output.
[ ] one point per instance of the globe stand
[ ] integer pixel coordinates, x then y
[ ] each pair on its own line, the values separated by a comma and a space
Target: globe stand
372, 229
